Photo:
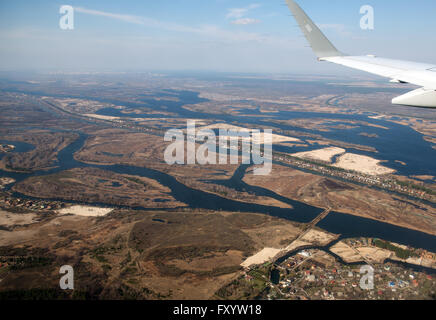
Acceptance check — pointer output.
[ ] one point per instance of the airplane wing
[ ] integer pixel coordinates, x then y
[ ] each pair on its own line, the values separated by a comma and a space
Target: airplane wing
420, 74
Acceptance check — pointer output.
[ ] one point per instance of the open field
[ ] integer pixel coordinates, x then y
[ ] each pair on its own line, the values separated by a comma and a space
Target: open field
262, 256
98, 116
9, 219
349, 254
256, 139
348, 198
375, 254
86, 211
313, 237
96, 185
362, 164
318, 237
325, 154
179, 255
325, 125
108, 147
167, 250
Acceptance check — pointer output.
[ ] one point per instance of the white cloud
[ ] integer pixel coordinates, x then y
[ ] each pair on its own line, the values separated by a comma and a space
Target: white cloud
137, 20
240, 12
236, 13
122, 17
245, 21
239, 15
209, 31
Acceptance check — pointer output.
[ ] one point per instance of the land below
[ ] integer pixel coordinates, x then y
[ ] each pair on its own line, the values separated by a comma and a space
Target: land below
127, 234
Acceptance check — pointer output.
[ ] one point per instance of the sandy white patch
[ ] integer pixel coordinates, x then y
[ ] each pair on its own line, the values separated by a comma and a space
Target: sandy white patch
5, 181
257, 138
86, 211
316, 236
325, 154
97, 116
381, 116
261, 257
309, 238
296, 244
362, 164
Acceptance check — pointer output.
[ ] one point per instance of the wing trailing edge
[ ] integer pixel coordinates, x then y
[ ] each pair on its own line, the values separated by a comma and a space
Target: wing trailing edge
420, 74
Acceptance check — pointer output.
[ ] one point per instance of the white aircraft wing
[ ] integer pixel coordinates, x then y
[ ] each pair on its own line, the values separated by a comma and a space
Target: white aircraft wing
420, 74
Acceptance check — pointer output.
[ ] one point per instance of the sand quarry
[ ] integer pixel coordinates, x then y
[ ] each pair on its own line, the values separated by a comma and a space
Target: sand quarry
350, 255
325, 154
101, 117
347, 161
86, 211
262, 256
312, 237
362, 164
257, 138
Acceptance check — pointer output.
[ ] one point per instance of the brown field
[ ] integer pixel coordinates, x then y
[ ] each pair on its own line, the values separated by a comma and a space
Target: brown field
371, 254
8, 219
96, 185
142, 254
144, 150
348, 198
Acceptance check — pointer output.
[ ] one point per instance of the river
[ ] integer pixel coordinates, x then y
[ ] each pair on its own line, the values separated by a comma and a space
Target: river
335, 222
396, 142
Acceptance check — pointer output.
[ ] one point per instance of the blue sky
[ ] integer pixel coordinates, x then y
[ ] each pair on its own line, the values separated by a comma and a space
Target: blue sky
206, 35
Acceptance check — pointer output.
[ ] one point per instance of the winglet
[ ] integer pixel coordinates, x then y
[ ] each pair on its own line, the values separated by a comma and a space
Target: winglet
322, 47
